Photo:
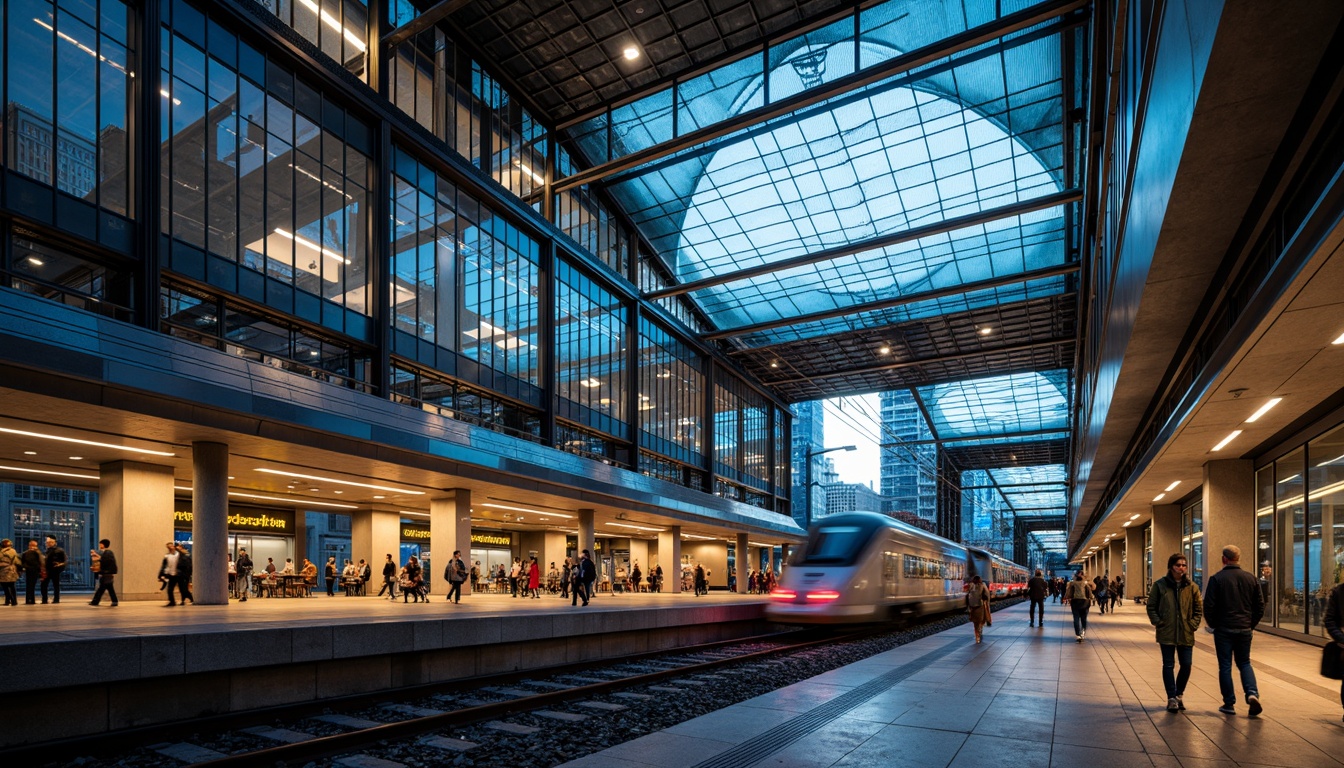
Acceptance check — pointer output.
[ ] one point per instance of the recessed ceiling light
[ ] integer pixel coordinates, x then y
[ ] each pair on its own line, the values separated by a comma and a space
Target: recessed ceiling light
1171, 487
315, 490
341, 482
774, 364
380, 497
1134, 516
884, 350
30, 453
338, 491
986, 331
1265, 408
1127, 523
230, 477
1159, 497
1223, 443
526, 509
76, 458
85, 442
1339, 340
630, 53
636, 527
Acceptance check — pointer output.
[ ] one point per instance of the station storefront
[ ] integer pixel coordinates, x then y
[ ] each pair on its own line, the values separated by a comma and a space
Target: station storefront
264, 533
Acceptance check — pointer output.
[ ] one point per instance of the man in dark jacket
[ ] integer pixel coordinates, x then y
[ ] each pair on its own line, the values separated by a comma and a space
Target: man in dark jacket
107, 573
455, 573
184, 573
1175, 609
55, 567
587, 575
389, 579
1233, 605
32, 561
1036, 591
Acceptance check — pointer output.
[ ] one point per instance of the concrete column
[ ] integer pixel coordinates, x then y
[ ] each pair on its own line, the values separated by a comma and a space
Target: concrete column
450, 529
770, 559
1115, 557
135, 512
743, 557
373, 536
1166, 536
210, 523
669, 556
1136, 580
1229, 514
783, 555
587, 535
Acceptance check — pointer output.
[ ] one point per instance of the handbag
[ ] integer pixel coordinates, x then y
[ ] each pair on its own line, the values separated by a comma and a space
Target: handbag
1332, 662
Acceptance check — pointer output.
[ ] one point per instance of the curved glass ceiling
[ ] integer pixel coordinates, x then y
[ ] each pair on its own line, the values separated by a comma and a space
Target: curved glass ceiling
998, 405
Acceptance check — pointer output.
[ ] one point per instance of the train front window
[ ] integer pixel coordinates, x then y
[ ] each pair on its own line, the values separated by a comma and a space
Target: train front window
834, 544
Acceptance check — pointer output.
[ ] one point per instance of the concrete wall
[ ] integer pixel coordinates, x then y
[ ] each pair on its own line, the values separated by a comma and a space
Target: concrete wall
713, 555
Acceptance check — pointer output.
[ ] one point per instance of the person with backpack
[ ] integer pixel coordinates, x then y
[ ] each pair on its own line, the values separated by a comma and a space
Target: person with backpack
1079, 595
977, 605
455, 573
1100, 592
1176, 609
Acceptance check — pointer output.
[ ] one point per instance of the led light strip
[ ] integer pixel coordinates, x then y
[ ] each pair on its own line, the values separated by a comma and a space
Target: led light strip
390, 488
49, 472
85, 442
290, 500
527, 510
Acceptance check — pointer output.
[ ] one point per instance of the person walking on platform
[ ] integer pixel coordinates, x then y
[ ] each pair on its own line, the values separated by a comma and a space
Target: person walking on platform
534, 579
699, 581
1175, 608
455, 573
33, 562
184, 574
1233, 605
1100, 592
1079, 595
1117, 592
244, 574
977, 605
565, 576
1334, 623
514, 573
329, 573
389, 579
55, 567
106, 561
587, 575
1036, 591
168, 574
10, 565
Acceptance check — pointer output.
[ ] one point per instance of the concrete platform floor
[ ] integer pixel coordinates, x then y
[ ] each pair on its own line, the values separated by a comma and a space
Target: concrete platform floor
1026, 698
75, 619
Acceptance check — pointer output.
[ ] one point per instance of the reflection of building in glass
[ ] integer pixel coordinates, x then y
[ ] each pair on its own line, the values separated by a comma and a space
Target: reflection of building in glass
909, 471
986, 521
54, 156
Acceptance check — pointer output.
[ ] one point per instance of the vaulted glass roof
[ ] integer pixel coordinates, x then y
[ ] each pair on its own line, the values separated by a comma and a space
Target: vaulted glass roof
999, 405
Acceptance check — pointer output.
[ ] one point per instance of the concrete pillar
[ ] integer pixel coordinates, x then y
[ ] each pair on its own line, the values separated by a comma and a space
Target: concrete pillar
1229, 514
783, 555
743, 558
587, 535
210, 523
669, 556
1166, 536
449, 530
770, 559
1136, 580
135, 512
373, 536
1115, 557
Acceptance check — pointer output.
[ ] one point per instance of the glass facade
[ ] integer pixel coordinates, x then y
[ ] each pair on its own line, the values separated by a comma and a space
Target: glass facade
1300, 533
69, 68
69, 278
1192, 540
339, 28
261, 169
591, 326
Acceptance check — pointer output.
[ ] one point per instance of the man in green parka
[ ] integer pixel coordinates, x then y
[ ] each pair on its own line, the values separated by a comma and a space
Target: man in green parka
1176, 609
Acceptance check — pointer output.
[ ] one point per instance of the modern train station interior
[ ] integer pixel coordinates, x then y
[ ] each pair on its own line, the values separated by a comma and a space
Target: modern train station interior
576, 282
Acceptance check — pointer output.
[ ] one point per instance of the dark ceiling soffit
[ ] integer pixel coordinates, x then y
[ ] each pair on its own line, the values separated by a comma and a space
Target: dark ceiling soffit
874, 306
422, 22
849, 249
922, 362
807, 390
971, 38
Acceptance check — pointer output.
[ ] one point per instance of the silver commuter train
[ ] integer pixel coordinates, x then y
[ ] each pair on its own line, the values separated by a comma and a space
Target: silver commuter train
864, 567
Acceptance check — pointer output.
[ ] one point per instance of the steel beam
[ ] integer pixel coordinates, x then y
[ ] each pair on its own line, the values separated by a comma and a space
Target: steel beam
922, 362
422, 22
971, 38
849, 249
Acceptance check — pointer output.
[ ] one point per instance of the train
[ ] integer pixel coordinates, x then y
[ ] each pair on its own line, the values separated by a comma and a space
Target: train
862, 567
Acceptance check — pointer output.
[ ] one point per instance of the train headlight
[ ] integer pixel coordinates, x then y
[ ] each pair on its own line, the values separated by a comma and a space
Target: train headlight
823, 595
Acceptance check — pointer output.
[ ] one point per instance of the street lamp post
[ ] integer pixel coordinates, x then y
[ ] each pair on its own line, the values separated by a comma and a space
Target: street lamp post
807, 475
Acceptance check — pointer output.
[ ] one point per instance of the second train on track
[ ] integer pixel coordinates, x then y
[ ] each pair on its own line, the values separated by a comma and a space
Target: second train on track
864, 567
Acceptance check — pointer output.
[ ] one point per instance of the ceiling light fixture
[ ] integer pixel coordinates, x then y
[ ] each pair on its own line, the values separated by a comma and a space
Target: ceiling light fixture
986, 331
1339, 340
76, 458
1171, 487
85, 442
300, 501
1265, 408
49, 472
30, 453
636, 527
1223, 443
884, 350
1161, 496
630, 53
394, 489
1134, 516
1127, 523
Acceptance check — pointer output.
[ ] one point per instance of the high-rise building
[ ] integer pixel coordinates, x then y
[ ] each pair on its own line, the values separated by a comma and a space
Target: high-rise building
908, 460
852, 497
809, 432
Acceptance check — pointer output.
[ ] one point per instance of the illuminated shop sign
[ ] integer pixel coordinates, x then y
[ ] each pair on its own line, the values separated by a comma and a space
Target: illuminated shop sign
599, 545
414, 532
492, 539
245, 519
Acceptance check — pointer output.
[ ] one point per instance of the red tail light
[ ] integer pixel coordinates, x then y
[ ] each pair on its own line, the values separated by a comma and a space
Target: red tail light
782, 594
825, 594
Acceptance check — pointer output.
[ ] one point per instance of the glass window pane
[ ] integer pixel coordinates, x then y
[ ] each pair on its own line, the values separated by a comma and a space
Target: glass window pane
1291, 554
1325, 522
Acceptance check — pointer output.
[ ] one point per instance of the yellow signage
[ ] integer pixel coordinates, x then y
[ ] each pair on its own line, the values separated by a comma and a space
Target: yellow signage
415, 533
485, 538
255, 522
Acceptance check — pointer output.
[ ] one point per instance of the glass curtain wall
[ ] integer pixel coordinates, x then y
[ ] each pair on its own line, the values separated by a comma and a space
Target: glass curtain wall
590, 352
424, 254
1290, 560
588, 221
69, 67
1192, 540
1264, 539
742, 441
501, 285
262, 170
1325, 523
340, 28
672, 405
